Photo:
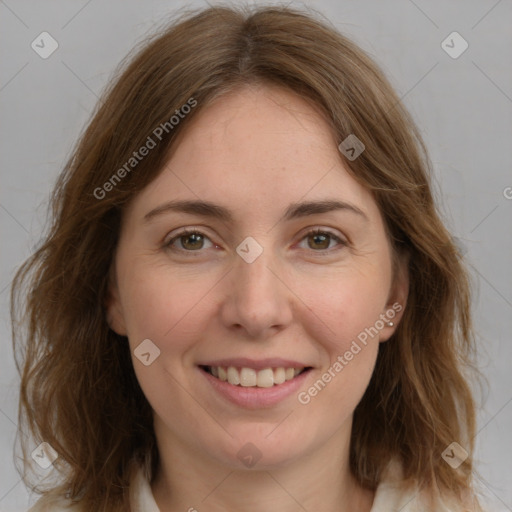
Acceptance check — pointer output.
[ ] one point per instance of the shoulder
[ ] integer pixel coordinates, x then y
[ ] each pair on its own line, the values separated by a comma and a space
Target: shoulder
141, 498
50, 503
393, 495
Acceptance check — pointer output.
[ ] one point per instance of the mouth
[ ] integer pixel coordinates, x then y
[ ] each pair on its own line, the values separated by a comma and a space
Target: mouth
254, 378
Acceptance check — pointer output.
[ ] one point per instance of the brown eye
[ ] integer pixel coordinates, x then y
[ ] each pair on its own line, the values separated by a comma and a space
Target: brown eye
188, 241
193, 241
319, 240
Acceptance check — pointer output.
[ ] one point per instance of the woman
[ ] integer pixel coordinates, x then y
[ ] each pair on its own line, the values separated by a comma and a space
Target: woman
247, 295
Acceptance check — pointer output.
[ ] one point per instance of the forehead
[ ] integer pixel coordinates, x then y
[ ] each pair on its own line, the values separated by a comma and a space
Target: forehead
264, 127
258, 148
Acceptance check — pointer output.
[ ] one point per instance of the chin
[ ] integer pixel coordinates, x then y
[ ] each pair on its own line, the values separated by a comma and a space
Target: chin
257, 452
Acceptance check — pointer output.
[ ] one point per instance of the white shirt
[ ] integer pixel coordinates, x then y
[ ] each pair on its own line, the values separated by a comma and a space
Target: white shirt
390, 496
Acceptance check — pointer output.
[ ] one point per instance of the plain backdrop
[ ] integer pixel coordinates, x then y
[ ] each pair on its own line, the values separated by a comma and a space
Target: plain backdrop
462, 105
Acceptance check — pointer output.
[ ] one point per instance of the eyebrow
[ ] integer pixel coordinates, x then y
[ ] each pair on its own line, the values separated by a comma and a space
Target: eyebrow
215, 211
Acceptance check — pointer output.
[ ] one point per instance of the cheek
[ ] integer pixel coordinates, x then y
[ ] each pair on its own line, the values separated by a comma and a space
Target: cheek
347, 307
342, 319
164, 307
341, 316
170, 311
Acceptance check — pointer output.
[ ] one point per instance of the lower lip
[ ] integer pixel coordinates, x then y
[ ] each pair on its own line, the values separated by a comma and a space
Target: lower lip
254, 397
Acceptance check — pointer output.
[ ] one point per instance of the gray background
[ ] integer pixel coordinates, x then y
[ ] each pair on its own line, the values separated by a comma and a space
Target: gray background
463, 107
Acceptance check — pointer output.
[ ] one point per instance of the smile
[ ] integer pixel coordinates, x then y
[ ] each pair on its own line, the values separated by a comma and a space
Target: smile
250, 377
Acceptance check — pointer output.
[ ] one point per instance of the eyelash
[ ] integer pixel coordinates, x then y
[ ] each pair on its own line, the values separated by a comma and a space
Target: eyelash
313, 232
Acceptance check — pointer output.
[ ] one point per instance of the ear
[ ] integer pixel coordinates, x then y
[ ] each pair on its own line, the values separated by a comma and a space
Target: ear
114, 310
397, 299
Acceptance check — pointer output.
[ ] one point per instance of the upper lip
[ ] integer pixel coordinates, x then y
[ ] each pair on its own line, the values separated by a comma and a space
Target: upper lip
256, 364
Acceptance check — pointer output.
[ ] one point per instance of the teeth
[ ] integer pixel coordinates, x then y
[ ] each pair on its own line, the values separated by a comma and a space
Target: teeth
279, 375
248, 377
233, 376
265, 378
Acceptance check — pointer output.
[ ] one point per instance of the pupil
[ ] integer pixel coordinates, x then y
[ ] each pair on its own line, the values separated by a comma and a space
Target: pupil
196, 241
323, 240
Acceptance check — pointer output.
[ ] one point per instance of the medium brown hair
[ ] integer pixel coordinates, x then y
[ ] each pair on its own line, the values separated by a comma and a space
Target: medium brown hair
79, 392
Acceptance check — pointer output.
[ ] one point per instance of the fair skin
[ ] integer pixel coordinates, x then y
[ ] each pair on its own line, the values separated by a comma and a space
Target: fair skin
304, 299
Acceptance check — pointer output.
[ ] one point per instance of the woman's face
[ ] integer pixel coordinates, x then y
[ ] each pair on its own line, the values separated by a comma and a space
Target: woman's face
252, 293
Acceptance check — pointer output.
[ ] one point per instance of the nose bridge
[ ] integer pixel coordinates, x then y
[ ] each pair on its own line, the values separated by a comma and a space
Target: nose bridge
257, 299
254, 281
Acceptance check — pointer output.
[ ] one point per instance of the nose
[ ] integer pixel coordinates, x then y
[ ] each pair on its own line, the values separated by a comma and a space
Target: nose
258, 302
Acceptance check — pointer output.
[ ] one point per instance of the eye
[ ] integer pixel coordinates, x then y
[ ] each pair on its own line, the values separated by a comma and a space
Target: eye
189, 240
320, 240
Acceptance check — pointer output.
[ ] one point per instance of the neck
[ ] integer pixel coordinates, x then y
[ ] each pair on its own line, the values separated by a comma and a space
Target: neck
190, 481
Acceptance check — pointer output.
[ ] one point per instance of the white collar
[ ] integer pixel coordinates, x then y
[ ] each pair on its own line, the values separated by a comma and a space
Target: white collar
389, 495
141, 496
